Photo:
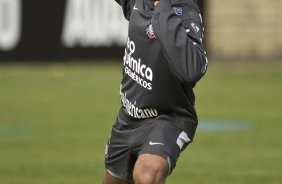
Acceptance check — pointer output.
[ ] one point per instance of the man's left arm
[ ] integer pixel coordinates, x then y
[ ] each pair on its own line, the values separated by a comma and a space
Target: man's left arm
180, 34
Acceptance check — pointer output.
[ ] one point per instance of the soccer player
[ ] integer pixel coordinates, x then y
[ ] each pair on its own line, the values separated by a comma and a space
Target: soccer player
163, 60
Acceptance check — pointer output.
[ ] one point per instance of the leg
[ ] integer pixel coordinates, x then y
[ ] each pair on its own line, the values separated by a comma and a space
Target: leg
109, 179
150, 169
119, 162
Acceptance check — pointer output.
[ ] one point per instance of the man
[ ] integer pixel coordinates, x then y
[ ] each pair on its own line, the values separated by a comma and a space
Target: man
164, 58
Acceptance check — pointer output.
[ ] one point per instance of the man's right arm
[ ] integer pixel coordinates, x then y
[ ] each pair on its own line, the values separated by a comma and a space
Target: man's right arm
127, 6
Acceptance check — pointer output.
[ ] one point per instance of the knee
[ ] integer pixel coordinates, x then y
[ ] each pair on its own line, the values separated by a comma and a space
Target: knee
145, 175
147, 171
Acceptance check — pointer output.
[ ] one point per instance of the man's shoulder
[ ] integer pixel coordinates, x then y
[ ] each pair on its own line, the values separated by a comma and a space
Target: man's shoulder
127, 6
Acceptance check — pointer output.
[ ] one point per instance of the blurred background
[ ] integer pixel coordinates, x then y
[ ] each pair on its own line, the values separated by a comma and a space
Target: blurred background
60, 69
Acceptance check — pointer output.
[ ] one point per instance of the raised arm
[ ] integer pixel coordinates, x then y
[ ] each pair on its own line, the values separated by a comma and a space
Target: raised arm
126, 7
179, 30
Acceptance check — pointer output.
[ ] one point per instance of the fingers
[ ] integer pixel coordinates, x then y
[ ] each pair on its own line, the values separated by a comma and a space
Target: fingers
156, 2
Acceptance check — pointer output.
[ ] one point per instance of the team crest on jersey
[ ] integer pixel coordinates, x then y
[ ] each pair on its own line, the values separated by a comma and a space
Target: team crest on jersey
150, 32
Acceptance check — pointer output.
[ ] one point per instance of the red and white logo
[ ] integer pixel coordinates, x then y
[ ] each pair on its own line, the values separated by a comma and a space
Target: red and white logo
150, 32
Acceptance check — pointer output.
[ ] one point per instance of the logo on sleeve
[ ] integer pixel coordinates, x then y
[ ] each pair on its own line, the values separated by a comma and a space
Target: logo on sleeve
178, 10
135, 8
195, 27
150, 32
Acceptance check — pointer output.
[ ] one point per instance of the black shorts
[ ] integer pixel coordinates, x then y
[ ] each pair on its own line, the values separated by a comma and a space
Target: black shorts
154, 136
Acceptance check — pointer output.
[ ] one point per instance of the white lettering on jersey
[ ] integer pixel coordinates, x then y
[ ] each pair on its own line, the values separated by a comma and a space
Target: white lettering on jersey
134, 68
135, 111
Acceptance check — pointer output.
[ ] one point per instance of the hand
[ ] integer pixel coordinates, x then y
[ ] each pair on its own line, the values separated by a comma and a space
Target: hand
156, 2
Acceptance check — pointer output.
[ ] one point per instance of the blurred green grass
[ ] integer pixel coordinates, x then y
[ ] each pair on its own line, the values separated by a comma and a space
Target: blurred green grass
55, 119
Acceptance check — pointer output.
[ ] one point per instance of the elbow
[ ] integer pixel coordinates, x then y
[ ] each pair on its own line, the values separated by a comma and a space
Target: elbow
198, 69
197, 62
195, 77
189, 66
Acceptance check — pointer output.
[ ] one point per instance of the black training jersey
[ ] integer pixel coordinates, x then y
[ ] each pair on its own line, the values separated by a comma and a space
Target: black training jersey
163, 60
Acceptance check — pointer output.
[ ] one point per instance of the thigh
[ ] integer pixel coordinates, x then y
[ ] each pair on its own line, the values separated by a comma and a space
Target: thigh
122, 149
166, 141
119, 161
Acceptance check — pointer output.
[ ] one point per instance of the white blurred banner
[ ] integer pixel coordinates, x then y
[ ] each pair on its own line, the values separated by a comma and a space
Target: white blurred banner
59, 28
10, 24
93, 23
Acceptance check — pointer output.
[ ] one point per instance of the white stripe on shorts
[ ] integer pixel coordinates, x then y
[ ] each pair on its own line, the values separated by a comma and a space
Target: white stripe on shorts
182, 139
113, 174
